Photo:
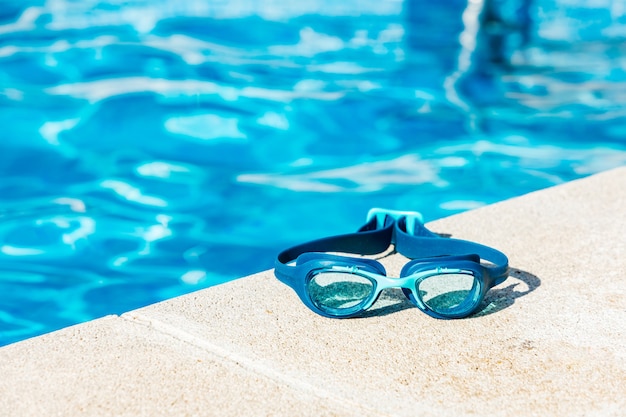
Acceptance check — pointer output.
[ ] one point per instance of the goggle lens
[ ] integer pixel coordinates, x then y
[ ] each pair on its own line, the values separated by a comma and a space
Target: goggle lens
339, 293
449, 294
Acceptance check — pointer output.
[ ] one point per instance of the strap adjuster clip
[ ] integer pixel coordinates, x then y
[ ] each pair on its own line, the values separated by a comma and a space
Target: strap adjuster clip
381, 215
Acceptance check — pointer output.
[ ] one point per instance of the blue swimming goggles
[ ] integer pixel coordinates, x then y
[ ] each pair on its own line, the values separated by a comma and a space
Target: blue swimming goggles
446, 278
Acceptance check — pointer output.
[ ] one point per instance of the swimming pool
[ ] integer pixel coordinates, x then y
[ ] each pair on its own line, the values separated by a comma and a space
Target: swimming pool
153, 148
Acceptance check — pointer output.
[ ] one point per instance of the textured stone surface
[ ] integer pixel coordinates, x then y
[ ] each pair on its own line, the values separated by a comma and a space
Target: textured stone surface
550, 340
116, 367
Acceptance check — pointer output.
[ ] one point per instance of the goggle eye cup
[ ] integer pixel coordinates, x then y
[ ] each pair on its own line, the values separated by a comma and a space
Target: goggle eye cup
446, 287
339, 293
450, 294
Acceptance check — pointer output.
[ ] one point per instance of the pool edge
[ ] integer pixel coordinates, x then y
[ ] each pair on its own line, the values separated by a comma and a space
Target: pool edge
214, 352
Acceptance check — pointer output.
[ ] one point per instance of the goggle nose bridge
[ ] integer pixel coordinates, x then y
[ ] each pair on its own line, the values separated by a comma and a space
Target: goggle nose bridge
386, 282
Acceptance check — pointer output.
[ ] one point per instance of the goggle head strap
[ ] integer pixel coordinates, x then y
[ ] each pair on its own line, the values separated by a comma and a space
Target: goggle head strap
424, 244
369, 240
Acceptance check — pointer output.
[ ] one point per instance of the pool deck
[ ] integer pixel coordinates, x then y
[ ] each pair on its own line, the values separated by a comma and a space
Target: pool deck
551, 342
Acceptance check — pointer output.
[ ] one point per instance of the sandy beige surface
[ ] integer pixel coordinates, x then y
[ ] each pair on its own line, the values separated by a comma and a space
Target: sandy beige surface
550, 342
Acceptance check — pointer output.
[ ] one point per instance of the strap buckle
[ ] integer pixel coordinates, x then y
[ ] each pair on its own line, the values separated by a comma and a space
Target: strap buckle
381, 215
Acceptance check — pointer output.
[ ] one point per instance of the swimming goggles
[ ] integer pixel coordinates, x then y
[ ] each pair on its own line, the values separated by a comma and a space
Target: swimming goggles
446, 278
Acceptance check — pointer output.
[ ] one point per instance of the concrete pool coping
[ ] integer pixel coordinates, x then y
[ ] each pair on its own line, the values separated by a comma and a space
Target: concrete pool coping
550, 342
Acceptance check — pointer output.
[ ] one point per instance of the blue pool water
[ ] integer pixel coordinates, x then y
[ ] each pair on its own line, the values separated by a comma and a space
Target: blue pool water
153, 148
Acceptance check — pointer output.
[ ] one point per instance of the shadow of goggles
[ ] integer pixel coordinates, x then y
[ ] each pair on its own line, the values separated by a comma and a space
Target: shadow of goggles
446, 278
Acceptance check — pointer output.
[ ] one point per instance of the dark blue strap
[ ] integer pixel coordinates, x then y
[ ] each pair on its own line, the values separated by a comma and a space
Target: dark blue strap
367, 241
370, 240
